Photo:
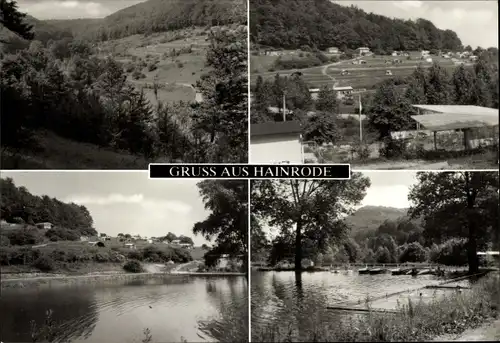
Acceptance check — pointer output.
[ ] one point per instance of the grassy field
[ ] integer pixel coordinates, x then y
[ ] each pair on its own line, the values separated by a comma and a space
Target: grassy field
361, 75
60, 153
176, 71
420, 321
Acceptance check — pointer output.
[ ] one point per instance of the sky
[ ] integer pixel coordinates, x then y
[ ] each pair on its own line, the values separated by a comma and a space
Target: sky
475, 21
124, 202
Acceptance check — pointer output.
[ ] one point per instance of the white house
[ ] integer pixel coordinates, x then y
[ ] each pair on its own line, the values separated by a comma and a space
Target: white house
343, 92
176, 242
276, 142
44, 225
395, 53
332, 50
363, 51
428, 60
424, 53
129, 246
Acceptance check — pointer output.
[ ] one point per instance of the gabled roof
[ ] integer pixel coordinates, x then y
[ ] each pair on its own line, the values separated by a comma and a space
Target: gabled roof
275, 128
453, 121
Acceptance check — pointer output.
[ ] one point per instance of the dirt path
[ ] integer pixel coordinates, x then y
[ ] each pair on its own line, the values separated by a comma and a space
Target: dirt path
488, 332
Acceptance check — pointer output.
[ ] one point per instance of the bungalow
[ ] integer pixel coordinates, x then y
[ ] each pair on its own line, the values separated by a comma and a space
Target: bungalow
473, 58
424, 53
332, 51
44, 225
363, 51
176, 242
129, 246
343, 92
276, 142
186, 245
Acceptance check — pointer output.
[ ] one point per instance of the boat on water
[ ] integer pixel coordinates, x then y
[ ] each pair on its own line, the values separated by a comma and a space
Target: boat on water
400, 271
376, 271
424, 272
364, 270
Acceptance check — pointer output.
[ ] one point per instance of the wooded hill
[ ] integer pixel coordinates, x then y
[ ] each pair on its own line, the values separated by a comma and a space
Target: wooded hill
157, 16
18, 205
292, 24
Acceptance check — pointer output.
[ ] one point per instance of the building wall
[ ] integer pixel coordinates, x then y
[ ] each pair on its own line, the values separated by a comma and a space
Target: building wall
276, 149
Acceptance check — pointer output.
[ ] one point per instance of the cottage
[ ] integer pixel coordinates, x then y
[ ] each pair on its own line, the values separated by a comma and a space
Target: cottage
332, 50
343, 92
44, 225
276, 142
176, 242
129, 246
473, 58
363, 51
424, 53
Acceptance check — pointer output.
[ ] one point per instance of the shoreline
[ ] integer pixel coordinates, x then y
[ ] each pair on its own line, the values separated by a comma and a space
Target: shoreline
37, 281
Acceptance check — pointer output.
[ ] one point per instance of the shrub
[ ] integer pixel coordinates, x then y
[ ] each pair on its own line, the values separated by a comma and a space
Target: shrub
23, 237
413, 252
180, 65
133, 266
44, 263
4, 240
452, 252
152, 66
61, 234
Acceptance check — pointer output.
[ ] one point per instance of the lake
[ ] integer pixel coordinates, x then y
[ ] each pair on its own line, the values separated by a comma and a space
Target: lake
297, 301
191, 308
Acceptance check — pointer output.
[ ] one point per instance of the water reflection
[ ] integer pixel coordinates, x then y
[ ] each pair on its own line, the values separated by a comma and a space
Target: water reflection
297, 301
171, 308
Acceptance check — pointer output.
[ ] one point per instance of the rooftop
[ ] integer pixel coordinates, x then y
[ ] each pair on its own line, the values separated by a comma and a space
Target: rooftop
454, 121
275, 128
344, 88
465, 109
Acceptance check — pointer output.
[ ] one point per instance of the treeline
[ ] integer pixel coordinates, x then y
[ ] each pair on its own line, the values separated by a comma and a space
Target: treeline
158, 16
64, 89
292, 24
18, 205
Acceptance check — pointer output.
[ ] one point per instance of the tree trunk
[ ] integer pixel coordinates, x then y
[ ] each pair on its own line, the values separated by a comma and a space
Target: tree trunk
298, 246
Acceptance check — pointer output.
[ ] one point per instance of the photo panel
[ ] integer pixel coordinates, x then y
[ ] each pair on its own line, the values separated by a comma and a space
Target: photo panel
118, 257
377, 84
120, 84
384, 256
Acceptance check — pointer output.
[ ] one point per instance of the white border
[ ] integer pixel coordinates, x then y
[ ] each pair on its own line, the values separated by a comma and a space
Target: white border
248, 81
249, 280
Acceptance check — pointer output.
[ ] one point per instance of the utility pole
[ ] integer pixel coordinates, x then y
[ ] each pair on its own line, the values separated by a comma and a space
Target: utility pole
284, 105
360, 121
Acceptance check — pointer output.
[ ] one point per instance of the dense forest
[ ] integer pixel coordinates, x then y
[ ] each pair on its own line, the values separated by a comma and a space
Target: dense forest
18, 205
60, 86
292, 24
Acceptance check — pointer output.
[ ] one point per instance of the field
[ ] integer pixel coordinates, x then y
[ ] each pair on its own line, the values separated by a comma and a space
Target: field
174, 59
360, 75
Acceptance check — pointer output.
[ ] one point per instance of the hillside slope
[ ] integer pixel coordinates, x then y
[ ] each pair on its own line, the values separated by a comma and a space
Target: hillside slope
321, 23
369, 218
159, 16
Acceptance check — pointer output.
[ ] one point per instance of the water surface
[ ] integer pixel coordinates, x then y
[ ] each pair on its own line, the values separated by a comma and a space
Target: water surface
172, 308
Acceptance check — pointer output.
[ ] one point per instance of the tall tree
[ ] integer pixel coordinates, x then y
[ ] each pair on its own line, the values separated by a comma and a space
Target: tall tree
463, 86
308, 209
227, 224
438, 88
458, 204
327, 100
13, 20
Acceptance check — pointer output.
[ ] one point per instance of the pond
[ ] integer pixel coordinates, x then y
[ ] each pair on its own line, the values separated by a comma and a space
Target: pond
285, 301
173, 309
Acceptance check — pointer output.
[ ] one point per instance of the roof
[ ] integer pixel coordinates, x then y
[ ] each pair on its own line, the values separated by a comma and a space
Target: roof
275, 128
453, 121
344, 88
274, 109
313, 90
465, 109
495, 253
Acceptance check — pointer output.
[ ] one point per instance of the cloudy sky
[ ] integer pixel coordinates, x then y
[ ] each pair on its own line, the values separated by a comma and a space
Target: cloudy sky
389, 188
126, 202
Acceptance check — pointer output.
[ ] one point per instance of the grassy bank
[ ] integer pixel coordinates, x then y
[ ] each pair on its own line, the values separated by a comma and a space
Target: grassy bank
452, 314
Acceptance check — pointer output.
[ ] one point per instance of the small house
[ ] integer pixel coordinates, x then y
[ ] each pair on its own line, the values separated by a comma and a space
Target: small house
150, 241
307, 263
130, 246
44, 225
332, 50
395, 54
176, 242
363, 51
428, 60
343, 92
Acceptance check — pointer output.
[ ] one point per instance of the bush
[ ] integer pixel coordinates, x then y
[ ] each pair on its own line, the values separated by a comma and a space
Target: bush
133, 266
60, 234
413, 252
136, 75
451, 252
23, 237
152, 66
44, 263
4, 240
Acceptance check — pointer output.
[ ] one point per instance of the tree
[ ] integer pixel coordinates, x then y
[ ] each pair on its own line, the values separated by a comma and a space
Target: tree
438, 91
227, 224
13, 20
457, 204
327, 100
170, 237
413, 252
308, 209
463, 86
186, 240
321, 128
390, 111
259, 241
382, 255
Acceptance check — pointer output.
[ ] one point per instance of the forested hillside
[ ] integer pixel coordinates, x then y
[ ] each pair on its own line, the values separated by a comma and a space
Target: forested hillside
320, 23
19, 205
158, 16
